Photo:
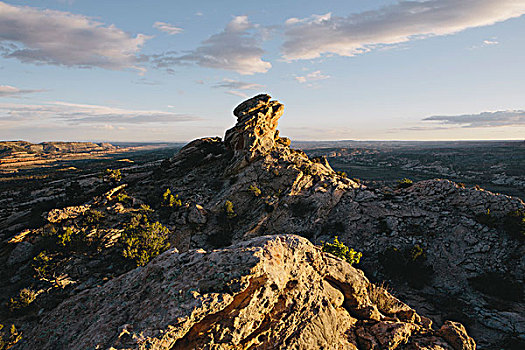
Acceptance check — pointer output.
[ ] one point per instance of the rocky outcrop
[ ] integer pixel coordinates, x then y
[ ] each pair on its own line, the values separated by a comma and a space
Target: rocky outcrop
271, 292
426, 241
255, 131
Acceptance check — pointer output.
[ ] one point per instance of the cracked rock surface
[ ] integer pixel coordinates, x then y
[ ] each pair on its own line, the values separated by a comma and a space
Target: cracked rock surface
269, 292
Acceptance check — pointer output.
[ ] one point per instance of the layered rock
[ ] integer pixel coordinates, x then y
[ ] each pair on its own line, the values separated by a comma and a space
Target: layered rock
271, 292
255, 131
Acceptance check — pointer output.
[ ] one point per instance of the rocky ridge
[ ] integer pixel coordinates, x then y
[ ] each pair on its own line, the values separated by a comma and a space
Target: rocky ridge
270, 292
273, 189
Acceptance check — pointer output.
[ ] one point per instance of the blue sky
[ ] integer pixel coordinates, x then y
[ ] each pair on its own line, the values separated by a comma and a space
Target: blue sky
129, 70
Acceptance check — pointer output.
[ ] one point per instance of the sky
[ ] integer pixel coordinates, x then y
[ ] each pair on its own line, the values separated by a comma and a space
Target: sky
170, 70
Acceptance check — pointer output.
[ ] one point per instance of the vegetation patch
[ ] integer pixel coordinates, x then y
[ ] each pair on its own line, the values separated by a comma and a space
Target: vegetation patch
228, 210
25, 297
9, 337
43, 265
93, 217
255, 190
404, 183
170, 200
143, 240
342, 251
112, 175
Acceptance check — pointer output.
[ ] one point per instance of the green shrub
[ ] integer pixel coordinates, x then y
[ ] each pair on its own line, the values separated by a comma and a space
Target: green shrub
228, 210
145, 209
169, 200
404, 183
123, 198
94, 217
8, 338
255, 190
112, 175
66, 237
342, 251
143, 240
25, 297
42, 264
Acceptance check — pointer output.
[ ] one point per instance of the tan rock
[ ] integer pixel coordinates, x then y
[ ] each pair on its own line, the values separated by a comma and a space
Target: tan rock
456, 335
270, 292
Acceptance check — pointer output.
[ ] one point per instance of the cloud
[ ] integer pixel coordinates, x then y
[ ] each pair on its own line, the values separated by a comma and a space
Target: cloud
167, 28
232, 49
490, 42
237, 85
314, 76
63, 113
234, 87
65, 39
403, 21
481, 120
485, 43
11, 91
237, 93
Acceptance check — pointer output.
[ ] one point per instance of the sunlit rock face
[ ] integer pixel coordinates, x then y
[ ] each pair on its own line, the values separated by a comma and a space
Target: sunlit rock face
270, 292
255, 131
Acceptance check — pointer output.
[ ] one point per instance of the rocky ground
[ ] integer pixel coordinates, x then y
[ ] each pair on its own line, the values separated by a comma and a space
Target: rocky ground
450, 252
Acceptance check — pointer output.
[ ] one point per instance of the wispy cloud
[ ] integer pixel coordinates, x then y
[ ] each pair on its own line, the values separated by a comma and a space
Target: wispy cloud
236, 88
167, 28
482, 120
64, 113
314, 76
490, 42
235, 48
237, 93
237, 85
403, 21
485, 43
62, 38
11, 91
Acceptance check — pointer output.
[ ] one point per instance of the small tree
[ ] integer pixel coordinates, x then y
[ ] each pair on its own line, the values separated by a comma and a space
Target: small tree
25, 297
255, 190
342, 251
169, 200
8, 338
143, 240
112, 175
404, 183
228, 210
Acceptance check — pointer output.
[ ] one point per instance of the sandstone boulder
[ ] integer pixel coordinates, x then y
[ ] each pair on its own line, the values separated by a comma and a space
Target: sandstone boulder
270, 292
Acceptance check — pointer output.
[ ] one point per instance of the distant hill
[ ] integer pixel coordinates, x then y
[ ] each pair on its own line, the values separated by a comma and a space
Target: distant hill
21, 148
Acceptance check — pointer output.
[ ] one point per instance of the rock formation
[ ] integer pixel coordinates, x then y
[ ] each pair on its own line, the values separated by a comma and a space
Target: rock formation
255, 131
270, 292
434, 243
